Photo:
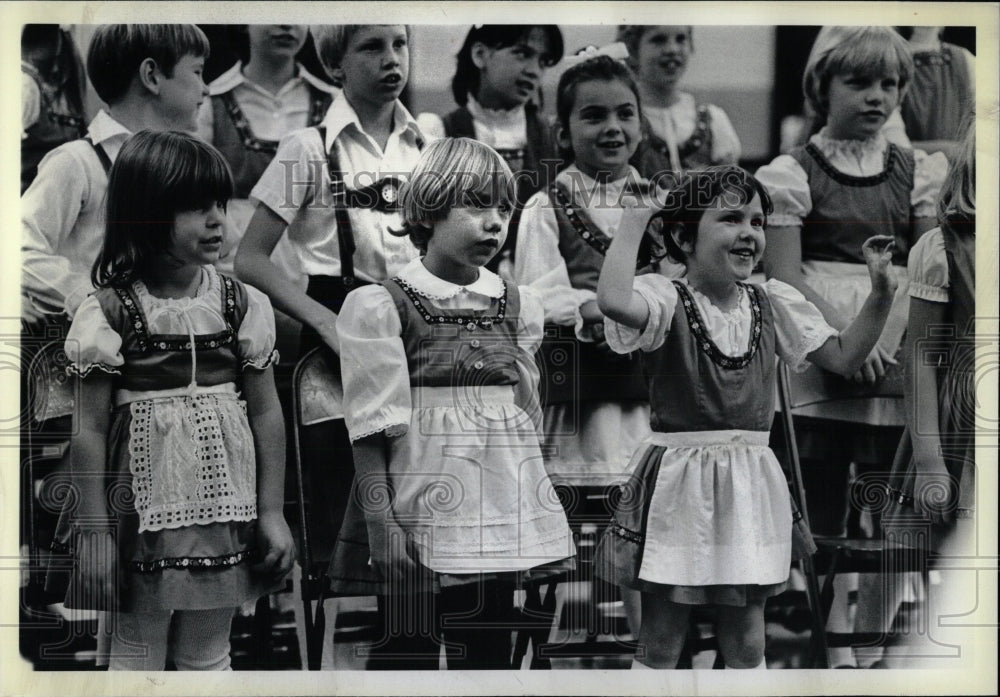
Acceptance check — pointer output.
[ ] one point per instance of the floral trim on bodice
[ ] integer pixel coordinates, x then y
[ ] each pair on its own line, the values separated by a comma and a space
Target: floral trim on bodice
705, 341
469, 321
164, 342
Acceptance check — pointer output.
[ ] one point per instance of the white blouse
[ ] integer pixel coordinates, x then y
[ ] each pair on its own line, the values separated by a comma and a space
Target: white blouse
376, 377
675, 124
93, 343
928, 268
505, 129
788, 184
540, 264
799, 327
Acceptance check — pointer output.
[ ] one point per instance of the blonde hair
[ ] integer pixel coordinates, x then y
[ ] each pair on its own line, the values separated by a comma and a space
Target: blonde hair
331, 42
452, 172
631, 35
859, 50
958, 193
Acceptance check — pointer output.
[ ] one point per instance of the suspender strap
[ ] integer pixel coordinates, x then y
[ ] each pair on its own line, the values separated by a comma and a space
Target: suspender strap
101, 153
345, 234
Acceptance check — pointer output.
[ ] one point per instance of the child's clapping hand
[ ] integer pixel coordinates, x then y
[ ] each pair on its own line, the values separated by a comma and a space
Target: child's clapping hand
878, 256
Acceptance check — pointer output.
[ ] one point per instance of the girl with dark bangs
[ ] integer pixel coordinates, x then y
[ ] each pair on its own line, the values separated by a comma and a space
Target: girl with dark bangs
174, 361
497, 84
705, 518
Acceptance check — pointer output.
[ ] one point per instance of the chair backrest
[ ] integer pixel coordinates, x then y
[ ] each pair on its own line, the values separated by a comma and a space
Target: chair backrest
317, 391
317, 398
820, 394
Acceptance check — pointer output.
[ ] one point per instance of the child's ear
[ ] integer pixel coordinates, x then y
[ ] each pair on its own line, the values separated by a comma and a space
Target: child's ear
337, 74
563, 139
150, 75
479, 53
679, 234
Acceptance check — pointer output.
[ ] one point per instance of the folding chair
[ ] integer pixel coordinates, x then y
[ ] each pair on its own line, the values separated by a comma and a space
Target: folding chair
588, 510
324, 469
837, 554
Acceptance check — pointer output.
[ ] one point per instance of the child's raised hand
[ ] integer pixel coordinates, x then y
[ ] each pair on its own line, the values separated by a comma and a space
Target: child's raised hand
877, 251
635, 217
276, 545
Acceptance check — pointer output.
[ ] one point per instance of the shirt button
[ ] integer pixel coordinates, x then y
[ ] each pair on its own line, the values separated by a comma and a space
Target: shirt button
475, 343
478, 365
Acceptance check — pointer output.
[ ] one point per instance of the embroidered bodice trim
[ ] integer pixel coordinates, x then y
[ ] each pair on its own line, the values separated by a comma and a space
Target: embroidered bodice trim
892, 155
578, 218
705, 341
469, 321
701, 134
922, 58
167, 342
245, 132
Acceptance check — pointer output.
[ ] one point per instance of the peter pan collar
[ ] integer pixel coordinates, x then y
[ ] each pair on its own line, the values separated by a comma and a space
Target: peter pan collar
416, 275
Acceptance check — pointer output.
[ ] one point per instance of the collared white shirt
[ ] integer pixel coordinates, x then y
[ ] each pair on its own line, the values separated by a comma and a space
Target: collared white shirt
62, 218
296, 187
271, 116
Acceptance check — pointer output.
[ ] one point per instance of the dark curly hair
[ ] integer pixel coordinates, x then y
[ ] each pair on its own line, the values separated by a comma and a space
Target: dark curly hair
698, 191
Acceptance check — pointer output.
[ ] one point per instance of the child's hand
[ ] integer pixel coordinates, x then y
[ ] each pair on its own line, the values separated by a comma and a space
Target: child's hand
874, 367
389, 544
276, 544
878, 256
934, 489
97, 556
635, 217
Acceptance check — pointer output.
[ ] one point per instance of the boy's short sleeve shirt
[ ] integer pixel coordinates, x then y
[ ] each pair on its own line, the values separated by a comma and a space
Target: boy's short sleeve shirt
62, 217
296, 187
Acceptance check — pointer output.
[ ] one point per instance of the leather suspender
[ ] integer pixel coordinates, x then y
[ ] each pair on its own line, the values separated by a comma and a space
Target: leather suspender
101, 153
380, 196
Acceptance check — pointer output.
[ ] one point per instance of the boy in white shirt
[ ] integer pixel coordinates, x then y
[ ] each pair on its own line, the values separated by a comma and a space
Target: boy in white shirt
372, 141
150, 76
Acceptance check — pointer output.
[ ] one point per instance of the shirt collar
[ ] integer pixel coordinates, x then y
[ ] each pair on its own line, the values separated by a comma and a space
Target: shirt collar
416, 275
875, 145
234, 77
341, 115
104, 127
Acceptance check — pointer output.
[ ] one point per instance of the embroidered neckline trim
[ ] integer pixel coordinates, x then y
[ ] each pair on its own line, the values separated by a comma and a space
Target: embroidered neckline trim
705, 342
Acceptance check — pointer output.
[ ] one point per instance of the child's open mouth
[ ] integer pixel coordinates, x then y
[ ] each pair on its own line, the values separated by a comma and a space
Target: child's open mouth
212, 241
392, 80
525, 86
744, 253
611, 144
